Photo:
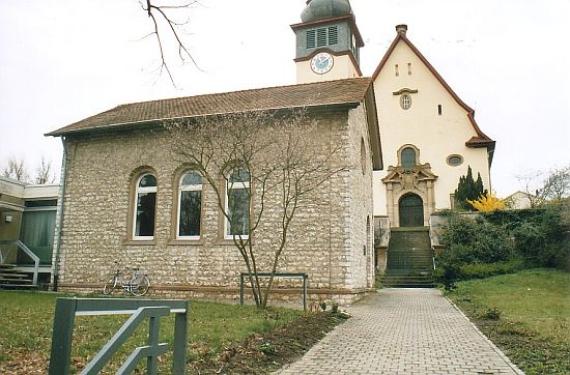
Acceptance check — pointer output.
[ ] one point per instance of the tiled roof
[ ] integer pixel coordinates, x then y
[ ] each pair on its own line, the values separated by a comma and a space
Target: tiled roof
345, 91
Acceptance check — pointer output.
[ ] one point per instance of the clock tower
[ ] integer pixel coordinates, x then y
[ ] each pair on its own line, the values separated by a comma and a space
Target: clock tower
328, 42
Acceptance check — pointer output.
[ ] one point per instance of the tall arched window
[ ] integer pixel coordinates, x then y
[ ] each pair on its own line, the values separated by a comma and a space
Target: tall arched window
145, 207
189, 205
408, 156
238, 203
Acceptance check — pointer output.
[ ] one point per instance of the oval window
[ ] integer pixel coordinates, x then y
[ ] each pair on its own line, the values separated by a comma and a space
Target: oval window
405, 101
455, 160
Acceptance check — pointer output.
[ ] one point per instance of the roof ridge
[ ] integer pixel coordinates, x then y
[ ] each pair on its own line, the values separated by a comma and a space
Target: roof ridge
239, 91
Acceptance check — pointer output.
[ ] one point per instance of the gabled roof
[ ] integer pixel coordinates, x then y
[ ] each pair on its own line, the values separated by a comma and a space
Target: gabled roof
340, 92
481, 139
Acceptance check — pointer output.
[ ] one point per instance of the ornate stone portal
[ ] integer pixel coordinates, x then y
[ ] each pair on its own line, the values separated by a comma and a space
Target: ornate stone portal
400, 181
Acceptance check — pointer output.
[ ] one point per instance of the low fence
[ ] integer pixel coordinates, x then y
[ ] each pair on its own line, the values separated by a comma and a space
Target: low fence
67, 309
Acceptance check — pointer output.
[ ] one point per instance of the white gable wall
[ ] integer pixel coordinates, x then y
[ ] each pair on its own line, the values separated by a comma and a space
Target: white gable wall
436, 136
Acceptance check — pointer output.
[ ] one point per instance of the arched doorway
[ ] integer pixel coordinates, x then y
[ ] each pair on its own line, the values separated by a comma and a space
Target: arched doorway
411, 211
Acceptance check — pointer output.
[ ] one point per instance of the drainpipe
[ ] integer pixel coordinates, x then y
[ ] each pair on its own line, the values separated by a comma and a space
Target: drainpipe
57, 240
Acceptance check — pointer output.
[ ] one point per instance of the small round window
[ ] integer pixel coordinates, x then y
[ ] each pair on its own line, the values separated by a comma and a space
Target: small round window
405, 101
455, 160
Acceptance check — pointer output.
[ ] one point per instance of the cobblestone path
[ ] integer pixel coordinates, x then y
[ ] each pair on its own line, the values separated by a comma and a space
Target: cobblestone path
404, 331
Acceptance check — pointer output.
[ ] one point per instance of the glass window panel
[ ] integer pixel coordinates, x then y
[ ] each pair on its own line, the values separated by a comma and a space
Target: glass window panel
145, 214
239, 175
37, 233
147, 180
238, 209
408, 157
190, 208
192, 178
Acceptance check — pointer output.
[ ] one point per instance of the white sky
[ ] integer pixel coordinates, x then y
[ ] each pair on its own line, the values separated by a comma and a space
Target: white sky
64, 60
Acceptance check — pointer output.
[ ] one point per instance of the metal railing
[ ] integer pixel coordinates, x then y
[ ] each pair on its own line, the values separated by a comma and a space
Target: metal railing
68, 308
303, 276
19, 244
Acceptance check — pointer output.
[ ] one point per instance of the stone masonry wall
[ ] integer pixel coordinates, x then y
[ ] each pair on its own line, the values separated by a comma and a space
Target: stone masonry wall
99, 199
359, 232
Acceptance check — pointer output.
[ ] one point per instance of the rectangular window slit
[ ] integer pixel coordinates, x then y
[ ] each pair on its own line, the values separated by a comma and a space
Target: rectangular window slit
321, 37
439, 109
333, 35
311, 35
397, 70
409, 69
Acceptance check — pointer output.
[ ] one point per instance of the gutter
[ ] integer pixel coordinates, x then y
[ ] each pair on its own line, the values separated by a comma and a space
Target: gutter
57, 240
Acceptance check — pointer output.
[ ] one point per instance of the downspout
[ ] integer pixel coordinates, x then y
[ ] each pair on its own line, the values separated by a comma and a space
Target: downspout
57, 256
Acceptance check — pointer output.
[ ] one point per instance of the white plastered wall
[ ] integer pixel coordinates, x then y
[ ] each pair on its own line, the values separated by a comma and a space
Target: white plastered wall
342, 68
436, 136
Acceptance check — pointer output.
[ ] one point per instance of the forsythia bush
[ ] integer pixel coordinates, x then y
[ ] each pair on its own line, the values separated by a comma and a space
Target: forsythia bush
487, 203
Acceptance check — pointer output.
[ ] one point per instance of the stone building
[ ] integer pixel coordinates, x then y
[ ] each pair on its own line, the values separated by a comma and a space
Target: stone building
123, 188
406, 139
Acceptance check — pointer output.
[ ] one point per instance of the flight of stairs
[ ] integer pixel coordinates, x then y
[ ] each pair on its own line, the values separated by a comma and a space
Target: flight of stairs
11, 278
410, 259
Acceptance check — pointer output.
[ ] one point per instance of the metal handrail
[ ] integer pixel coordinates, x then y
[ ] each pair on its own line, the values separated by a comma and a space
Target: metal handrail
29, 253
140, 310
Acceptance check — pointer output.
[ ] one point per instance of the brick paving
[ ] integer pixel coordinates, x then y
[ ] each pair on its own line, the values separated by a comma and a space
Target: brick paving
404, 331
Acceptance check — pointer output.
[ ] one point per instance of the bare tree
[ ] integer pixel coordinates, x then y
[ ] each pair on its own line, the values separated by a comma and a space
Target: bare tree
166, 15
16, 169
44, 174
277, 160
544, 187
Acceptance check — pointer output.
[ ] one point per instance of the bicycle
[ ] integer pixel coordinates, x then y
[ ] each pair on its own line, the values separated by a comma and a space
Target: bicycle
137, 284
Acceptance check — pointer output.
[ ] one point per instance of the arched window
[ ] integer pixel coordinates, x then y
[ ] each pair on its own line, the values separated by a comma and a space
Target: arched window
238, 203
145, 207
408, 158
189, 205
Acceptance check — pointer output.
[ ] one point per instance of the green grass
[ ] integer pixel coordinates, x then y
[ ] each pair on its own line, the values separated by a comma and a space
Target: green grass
27, 318
533, 311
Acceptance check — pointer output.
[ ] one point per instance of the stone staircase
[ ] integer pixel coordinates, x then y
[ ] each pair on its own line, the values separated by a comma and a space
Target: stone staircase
10, 278
410, 259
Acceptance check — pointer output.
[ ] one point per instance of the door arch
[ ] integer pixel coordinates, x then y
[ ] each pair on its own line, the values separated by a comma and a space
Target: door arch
411, 210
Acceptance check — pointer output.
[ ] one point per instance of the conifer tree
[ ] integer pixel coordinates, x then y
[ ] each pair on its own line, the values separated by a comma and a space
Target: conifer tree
469, 189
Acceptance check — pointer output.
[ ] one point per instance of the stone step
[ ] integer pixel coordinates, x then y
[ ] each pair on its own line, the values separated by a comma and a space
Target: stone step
14, 276
15, 281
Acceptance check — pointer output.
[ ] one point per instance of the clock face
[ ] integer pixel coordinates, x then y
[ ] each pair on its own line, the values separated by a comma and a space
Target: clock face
322, 63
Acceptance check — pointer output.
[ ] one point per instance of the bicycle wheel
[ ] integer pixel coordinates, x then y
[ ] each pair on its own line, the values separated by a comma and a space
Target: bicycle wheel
109, 286
142, 287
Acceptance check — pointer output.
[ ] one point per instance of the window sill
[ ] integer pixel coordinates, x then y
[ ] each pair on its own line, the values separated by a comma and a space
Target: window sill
131, 242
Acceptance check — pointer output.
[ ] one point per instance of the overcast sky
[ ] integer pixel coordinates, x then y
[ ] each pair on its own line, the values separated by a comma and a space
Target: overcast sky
64, 60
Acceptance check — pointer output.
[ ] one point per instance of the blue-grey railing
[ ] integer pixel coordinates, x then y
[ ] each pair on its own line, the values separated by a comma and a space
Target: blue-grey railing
67, 309
22, 246
302, 276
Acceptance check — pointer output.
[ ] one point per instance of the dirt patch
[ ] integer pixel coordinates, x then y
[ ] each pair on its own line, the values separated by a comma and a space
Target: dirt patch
262, 354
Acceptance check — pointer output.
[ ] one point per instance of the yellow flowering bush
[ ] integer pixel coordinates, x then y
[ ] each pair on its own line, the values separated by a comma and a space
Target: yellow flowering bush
487, 203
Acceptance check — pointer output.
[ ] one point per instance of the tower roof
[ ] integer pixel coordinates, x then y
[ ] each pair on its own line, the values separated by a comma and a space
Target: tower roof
323, 9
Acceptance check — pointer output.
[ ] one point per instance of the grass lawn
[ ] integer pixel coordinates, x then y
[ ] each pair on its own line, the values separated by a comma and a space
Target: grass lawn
527, 314
216, 332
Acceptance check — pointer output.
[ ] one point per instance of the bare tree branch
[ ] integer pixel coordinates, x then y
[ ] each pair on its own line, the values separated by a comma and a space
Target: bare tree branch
159, 15
287, 160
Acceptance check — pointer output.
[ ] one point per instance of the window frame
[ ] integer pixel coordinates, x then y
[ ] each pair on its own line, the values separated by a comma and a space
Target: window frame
242, 185
181, 189
139, 190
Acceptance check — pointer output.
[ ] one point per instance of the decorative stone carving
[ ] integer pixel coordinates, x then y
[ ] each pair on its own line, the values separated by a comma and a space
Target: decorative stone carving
418, 180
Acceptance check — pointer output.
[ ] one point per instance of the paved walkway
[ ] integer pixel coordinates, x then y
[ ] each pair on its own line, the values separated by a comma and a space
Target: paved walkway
404, 331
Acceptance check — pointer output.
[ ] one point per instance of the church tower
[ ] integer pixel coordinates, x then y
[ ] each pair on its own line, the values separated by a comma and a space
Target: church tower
328, 42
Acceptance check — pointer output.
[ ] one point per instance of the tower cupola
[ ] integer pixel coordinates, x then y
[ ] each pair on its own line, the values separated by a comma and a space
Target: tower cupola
328, 42
324, 9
